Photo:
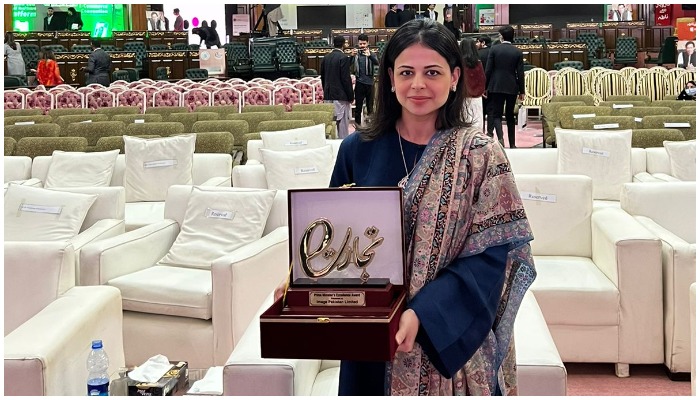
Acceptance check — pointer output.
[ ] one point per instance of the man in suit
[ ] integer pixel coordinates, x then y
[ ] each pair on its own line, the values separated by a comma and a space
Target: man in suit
50, 21
430, 13
337, 84
391, 19
407, 14
179, 23
98, 66
505, 81
483, 44
154, 22
363, 66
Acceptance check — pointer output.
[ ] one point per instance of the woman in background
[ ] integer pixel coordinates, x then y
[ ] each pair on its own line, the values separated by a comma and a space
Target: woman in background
475, 79
13, 52
203, 32
73, 21
47, 72
213, 36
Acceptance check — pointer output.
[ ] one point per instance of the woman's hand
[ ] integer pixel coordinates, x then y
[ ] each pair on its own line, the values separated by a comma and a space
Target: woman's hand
408, 329
279, 291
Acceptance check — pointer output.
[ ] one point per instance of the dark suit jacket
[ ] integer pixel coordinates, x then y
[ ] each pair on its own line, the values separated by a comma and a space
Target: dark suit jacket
74, 19
391, 19
426, 14
98, 67
406, 15
484, 55
53, 26
335, 76
504, 70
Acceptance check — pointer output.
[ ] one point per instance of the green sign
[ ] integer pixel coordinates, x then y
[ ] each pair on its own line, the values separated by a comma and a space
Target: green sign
99, 19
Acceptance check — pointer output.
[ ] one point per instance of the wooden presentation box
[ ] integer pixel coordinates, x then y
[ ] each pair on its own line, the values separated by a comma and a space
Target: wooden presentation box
347, 277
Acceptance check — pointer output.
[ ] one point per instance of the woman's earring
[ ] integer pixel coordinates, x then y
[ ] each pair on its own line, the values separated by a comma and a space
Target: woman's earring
393, 89
454, 88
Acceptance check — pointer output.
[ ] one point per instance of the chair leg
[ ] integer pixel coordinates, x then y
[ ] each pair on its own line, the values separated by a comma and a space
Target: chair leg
622, 370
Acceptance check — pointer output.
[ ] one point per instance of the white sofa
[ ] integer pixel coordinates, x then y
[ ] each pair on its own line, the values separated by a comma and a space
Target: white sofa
50, 323
540, 369
158, 302
17, 168
208, 169
667, 210
693, 382
598, 274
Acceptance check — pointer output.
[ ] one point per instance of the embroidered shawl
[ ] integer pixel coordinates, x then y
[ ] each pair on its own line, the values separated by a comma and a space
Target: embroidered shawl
460, 200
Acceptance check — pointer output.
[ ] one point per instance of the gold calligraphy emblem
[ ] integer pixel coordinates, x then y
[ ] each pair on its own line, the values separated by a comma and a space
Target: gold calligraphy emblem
73, 74
346, 255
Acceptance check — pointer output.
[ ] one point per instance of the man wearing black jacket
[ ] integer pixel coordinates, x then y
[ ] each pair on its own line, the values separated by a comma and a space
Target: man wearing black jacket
50, 20
391, 19
505, 81
337, 84
483, 44
407, 14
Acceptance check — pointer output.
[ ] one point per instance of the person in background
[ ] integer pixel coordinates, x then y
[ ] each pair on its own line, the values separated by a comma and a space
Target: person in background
430, 13
154, 22
408, 14
73, 21
483, 43
47, 72
50, 22
179, 23
467, 235
274, 15
688, 93
391, 19
505, 82
98, 66
622, 13
15, 61
450, 24
337, 84
363, 66
203, 32
475, 79
686, 59
213, 36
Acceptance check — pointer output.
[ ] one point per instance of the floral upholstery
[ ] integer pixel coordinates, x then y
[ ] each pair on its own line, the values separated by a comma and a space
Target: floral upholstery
194, 98
318, 91
22, 112
149, 90
307, 92
14, 100
167, 97
132, 97
39, 99
257, 96
227, 97
45, 146
94, 130
234, 81
18, 132
189, 118
160, 84
286, 96
85, 90
117, 89
100, 98
155, 128
26, 91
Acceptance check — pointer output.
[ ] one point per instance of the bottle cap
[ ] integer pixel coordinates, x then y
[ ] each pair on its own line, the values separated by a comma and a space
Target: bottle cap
96, 344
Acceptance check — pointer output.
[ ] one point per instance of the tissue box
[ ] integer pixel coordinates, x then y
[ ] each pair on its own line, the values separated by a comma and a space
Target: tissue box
175, 380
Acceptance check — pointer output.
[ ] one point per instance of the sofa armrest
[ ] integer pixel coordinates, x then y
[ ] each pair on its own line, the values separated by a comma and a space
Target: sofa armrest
102, 229
127, 253
249, 176
645, 177
665, 177
246, 373
46, 355
630, 256
240, 282
220, 181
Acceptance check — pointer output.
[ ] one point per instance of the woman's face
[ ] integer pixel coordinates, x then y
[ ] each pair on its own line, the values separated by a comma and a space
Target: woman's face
422, 79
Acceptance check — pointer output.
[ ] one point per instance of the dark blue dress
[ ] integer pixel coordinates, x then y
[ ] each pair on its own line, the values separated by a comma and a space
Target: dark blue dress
456, 309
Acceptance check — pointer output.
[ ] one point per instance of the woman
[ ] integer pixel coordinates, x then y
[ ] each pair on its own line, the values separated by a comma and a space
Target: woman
688, 93
465, 227
203, 32
213, 36
13, 52
47, 72
475, 79
73, 21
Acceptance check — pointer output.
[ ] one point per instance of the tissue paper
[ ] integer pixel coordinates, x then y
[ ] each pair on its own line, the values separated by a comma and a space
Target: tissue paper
152, 370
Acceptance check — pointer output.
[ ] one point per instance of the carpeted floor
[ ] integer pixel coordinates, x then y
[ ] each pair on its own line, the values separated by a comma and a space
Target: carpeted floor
600, 380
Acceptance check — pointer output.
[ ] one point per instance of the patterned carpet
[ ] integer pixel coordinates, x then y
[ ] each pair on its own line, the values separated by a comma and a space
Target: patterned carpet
600, 380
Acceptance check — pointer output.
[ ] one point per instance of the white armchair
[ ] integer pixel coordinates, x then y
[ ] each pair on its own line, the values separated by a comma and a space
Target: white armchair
667, 210
17, 169
192, 314
598, 274
50, 324
208, 169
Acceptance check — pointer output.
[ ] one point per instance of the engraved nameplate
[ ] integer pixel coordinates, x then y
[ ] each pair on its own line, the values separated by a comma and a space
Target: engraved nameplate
334, 299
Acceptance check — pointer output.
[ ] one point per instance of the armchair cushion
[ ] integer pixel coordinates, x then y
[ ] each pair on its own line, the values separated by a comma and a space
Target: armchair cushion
682, 157
44, 215
166, 290
153, 165
217, 222
69, 169
310, 168
604, 156
311, 137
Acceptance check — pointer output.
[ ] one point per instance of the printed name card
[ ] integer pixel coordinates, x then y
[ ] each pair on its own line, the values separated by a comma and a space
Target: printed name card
549, 198
86, 121
25, 123
297, 143
623, 105
139, 121
594, 152
606, 126
577, 116
34, 208
306, 170
219, 214
676, 124
637, 119
159, 163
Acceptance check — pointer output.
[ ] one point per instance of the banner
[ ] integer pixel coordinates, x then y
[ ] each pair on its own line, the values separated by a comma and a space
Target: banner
662, 14
241, 24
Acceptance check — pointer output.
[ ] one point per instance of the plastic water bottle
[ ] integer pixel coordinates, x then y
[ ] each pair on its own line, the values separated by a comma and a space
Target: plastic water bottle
97, 366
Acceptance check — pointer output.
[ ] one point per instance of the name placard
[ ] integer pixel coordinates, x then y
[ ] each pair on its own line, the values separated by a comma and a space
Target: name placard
606, 126
623, 105
139, 121
25, 123
297, 143
159, 163
676, 125
306, 170
594, 152
35, 208
332, 299
577, 116
219, 214
549, 198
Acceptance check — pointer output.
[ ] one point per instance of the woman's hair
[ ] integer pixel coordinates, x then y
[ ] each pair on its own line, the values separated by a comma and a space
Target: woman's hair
470, 53
204, 24
10, 40
46, 54
435, 37
213, 24
72, 10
